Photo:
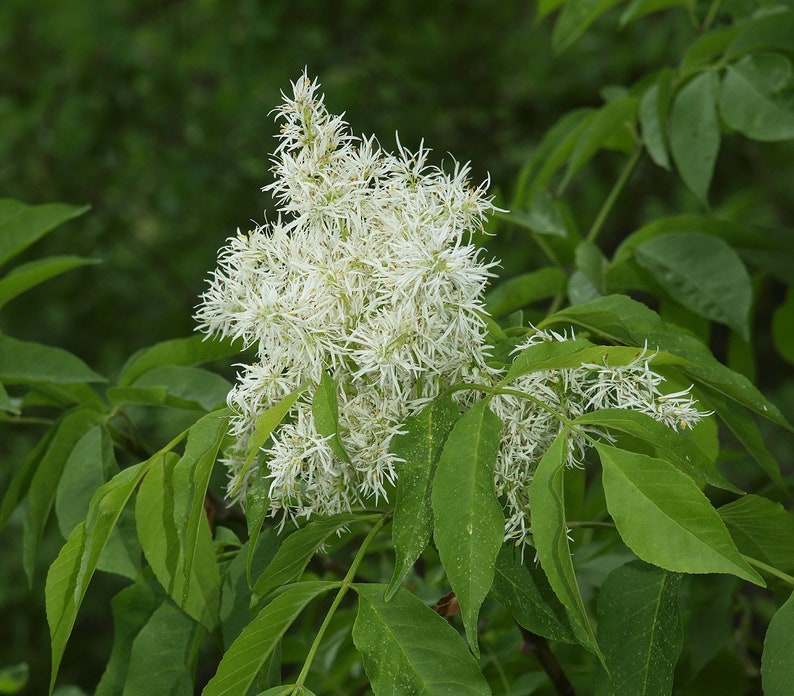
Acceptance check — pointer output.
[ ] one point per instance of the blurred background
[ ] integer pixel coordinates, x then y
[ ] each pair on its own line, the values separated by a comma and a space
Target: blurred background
157, 114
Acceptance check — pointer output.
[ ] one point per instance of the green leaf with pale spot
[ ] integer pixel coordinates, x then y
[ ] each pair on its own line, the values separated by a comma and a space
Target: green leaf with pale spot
409, 649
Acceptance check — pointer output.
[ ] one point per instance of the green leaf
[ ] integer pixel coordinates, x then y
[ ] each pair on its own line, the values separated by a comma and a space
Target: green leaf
418, 447
639, 629
611, 118
524, 591
14, 678
31, 363
707, 49
543, 217
257, 503
783, 327
90, 465
653, 110
409, 649
174, 385
777, 667
325, 413
704, 274
640, 8
247, 655
671, 445
761, 529
31, 274
574, 19
664, 517
550, 537
160, 654
550, 154
266, 423
6, 404
695, 133
750, 101
620, 319
746, 431
298, 548
565, 355
160, 519
72, 570
766, 32
45, 480
524, 289
21, 225
187, 352
132, 608
468, 519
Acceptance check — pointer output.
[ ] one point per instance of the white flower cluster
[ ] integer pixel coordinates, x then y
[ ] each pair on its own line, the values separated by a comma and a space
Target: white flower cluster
531, 425
369, 275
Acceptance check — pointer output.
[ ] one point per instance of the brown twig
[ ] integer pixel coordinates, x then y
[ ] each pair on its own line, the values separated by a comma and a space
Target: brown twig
539, 646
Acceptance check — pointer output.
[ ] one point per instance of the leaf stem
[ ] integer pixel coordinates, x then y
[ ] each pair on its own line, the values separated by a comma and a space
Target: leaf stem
347, 581
788, 579
606, 208
711, 15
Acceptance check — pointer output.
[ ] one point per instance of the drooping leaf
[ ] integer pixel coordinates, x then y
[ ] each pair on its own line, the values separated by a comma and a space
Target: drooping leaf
132, 609
69, 575
524, 590
524, 289
162, 530
45, 480
665, 518
21, 225
761, 529
641, 8
777, 667
266, 423
639, 630
468, 523
31, 363
91, 464
704, 274
325, 413
160, 654
550, 536
695, 133
613, 117
751, 100
297, 550
409, 649
187, 352
653, 111
32, 274
574, 19
248, 654
419, 447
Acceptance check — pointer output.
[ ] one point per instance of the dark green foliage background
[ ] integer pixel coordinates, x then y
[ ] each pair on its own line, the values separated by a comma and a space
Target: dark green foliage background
156, 113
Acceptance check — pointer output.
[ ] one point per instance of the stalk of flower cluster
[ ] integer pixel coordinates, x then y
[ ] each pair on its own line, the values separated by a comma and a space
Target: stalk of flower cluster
368, 274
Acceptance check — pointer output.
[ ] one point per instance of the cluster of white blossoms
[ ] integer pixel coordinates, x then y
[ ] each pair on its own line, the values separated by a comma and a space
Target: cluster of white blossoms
531, 425
369, 275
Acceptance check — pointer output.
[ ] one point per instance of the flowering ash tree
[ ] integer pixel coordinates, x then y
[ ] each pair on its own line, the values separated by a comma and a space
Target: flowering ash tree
364, 302
394, 389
